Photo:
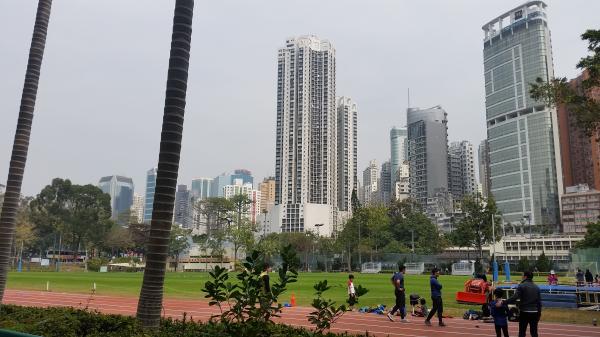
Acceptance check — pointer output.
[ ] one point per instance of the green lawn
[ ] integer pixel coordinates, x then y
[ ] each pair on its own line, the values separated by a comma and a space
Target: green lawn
189, 285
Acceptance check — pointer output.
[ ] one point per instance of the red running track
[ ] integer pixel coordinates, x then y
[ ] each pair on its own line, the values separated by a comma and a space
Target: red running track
351, 322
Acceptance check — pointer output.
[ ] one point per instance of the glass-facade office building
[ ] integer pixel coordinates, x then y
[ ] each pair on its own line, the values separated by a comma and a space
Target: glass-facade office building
398, 149
522, 133
149, 199
120, 190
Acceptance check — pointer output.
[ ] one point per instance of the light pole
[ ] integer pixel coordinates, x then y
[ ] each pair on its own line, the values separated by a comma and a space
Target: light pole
359, 250
318, 226
528, 217
412, 236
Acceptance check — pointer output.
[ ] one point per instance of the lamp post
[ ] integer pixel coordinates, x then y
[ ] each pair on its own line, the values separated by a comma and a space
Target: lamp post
412, 236
528, 217
318, 226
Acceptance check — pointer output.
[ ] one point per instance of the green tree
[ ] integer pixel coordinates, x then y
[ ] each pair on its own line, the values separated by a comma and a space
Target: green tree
543, 264
215, 213
178, 243
302, 243
406, 216
269, 246
118, 239
80, 214
151, 294
579, 100
523, 265
592, 236
242, 234
16, 168
476, 224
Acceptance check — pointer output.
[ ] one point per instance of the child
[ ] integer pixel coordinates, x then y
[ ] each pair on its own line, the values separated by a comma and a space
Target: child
351, 292
552, 279
499, 310
421, 309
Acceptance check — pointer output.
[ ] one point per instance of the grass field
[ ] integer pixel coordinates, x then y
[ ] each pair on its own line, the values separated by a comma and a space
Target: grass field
189, 285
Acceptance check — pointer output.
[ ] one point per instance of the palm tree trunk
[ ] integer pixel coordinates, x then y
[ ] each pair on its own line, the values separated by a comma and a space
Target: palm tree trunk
151, 295
21, 143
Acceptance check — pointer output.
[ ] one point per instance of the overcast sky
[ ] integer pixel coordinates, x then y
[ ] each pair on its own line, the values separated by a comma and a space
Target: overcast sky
101, 94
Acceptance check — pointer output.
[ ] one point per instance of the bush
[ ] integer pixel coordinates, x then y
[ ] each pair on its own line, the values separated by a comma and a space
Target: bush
95, 263
69, 322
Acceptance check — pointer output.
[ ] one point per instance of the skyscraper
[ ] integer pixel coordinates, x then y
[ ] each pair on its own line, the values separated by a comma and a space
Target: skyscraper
267, 194
461, 168
427, 153
522, 133
137, 208
385, 183
182, 213
580, 152
483, 157
120, 190
306, 139
370, 185
243, 174
201, 188
240, 187
347, 139
149, 199
218, 183
399, 150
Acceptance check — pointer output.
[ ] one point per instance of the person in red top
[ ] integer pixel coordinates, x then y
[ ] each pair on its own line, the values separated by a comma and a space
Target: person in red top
552, 278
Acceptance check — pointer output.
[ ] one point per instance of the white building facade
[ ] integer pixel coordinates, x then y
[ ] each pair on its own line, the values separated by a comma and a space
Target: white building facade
306, 177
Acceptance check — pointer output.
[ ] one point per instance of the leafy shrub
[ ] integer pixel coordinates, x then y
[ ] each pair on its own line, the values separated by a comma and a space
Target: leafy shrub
95, 263
326, 312
69, 322
245, 308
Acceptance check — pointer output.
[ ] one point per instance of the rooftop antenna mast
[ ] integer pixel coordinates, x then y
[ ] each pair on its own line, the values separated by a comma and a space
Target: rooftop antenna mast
408, 94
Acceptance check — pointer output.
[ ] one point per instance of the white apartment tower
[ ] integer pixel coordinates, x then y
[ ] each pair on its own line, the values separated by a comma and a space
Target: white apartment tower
347, 153
306, 154
370, 183
461, 170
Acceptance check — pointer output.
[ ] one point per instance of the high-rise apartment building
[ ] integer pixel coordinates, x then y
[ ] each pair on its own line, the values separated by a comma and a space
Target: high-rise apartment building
399, 150
483, 157
427, 153
182, 214
580, 152
306, 139
385, 183
120, 190
461, 170
239, 187
522, 133
347, 136
580, 206
267, 194
137, 208
370, 186
149, 199
402, 184
201, 188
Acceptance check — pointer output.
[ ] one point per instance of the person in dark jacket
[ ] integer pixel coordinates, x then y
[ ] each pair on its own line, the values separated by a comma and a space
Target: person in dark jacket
436, 297
399, 293
530, 305
499, 310
589, 278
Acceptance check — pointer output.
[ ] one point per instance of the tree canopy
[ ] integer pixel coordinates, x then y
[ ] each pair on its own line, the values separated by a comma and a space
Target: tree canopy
579, 100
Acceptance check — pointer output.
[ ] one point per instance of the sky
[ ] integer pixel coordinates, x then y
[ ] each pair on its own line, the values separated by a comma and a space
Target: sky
101, 92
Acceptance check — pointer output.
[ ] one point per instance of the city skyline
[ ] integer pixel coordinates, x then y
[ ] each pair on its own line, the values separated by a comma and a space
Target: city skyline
97, 99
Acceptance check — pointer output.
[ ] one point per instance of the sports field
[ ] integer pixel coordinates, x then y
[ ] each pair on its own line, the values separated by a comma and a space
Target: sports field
189, 285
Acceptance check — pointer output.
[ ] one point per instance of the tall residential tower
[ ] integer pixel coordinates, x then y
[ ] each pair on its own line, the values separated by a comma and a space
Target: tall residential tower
306, 139
347, 152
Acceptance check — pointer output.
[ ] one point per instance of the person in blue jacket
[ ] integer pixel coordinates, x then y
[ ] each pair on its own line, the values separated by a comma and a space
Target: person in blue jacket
499, 310
436, 297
